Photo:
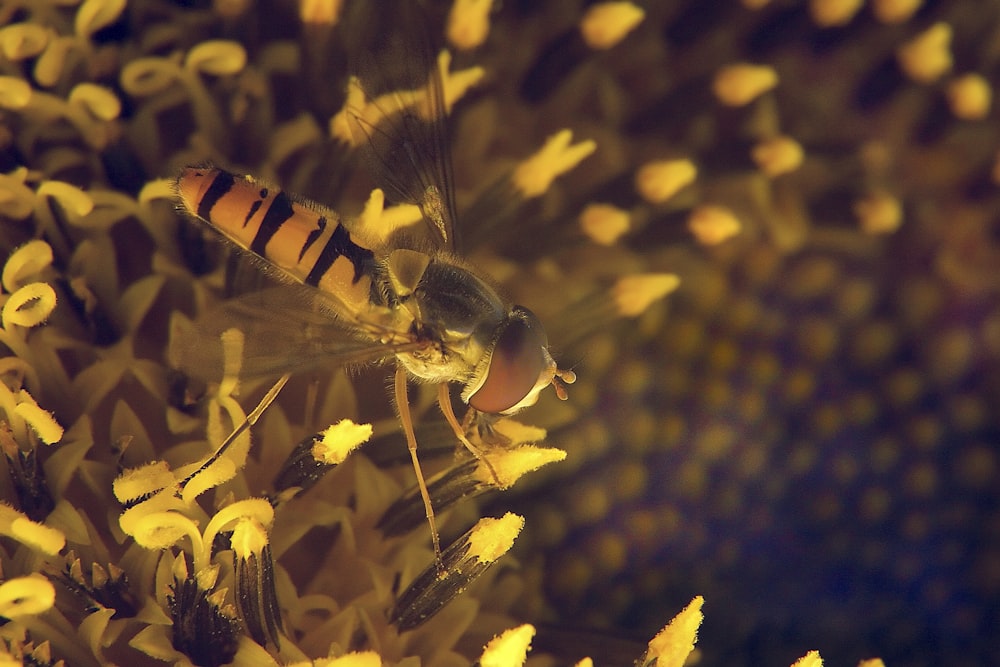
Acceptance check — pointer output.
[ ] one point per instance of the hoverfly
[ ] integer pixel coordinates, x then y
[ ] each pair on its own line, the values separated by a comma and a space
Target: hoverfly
353, 297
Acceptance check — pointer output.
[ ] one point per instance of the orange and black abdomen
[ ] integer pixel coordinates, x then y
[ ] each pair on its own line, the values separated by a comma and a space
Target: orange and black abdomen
307, 243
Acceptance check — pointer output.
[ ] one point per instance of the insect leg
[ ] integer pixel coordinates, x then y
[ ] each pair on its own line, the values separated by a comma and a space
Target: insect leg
444, 401
250, 420
403, 405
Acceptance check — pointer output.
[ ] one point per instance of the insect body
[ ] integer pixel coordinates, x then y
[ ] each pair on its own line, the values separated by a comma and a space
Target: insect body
441, 320
362, 299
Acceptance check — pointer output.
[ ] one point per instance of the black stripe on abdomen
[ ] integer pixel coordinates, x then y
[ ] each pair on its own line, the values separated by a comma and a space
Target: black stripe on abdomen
278, 213
341, 245
222, 184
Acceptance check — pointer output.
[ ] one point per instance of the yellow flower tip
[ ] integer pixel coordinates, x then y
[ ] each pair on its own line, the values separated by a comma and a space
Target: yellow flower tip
509, 648
738, 85
26, 596
833, 13
456, 84
585, 662
634, 294
157, 189
253, 516
36, 535
97, 100
41, 422
534, 175
606, 23
491, 538
217, 57
25, 263
70, 197
354, 105
29, 306
96, 14
17, 200
468, 23
879, 213
340, 440
675, 642
15, 92
777, 156
658, 181
320, 12
379, 222
711, 224
927, 57
970, 97
810, 659
143, 481
895, 11
21, 41
604, 224
512, 464
872, 662
249, 539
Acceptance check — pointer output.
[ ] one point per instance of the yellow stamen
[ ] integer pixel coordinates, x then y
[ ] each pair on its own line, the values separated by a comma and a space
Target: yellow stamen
509, 648
607, 23
339, 440
970, 97
660, 180
832, 13
895, 11
738, 85
675, 642
927, 57
879, 213
777, 156
634, 294
603, 223
534, 175
712, 224
469, 23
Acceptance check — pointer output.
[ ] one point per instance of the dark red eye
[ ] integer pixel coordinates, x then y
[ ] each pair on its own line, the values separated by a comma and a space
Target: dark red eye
518, 360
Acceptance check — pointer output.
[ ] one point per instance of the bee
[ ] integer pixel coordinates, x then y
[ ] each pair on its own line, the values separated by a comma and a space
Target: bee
352, 296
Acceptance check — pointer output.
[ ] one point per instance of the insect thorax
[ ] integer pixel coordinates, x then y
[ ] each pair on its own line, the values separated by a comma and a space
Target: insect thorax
454, 309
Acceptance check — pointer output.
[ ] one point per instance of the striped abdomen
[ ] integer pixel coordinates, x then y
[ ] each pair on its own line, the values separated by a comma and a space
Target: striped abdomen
307, 244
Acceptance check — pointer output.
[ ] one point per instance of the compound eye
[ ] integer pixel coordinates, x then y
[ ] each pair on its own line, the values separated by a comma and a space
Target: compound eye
517, 361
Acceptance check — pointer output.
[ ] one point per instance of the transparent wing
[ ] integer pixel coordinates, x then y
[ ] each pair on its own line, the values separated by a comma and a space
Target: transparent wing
284, 329
400, 121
